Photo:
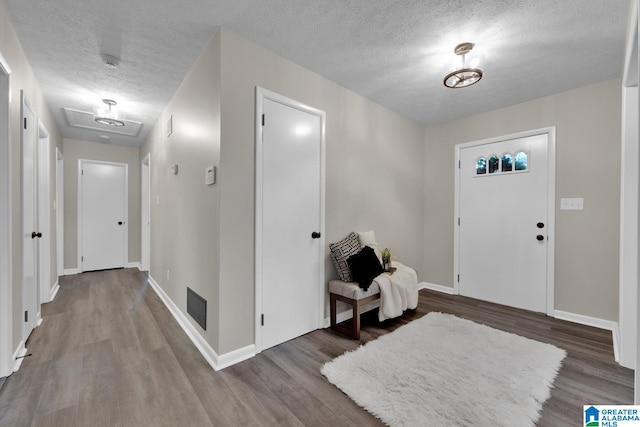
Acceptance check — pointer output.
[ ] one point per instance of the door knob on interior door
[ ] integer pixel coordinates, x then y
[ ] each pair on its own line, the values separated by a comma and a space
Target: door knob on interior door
34, 235
120, 222
540, 237
540, 225
315, 235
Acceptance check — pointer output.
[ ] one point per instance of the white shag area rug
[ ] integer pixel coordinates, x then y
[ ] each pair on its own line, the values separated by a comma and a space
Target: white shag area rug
441, 370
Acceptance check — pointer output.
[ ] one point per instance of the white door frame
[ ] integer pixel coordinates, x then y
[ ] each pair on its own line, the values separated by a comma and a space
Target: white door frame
59, 212
629, 188
6, 301
261, 95
551, 206
81, 162
44, 214
145, 214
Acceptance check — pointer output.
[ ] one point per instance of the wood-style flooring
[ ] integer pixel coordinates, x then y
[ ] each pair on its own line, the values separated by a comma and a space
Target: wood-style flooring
109, 353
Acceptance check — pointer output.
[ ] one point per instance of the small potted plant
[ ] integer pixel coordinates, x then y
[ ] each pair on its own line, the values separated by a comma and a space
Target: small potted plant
386, 259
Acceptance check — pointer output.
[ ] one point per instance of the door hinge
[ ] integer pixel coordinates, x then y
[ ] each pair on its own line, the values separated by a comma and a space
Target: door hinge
263, 120
458, 278
26, 316
82, 258
25, 122
459, 165
458, 221
262, 320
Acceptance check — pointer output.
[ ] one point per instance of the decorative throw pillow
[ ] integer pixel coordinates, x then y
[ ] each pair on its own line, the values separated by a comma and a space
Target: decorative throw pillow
365, 267
341, 251
368, 238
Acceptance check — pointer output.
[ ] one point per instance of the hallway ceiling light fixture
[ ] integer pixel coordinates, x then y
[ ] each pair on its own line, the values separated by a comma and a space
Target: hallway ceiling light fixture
109, 116
463, 76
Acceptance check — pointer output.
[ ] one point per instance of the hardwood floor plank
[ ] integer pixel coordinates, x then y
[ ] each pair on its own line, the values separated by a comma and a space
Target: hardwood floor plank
109, 353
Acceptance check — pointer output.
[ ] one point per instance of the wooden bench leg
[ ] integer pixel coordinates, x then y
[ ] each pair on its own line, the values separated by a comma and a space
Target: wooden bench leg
332, 309
354, 331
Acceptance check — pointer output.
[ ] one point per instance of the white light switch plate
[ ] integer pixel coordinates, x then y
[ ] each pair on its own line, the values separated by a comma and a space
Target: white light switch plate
574, 204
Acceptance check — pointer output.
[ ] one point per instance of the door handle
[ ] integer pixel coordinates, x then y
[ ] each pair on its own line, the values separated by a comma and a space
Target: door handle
540, 237
34, 235
540, 225
315, 235
120, 223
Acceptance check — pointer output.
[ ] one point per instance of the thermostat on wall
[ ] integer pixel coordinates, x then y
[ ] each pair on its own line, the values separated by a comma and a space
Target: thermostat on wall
174, 168
210, 175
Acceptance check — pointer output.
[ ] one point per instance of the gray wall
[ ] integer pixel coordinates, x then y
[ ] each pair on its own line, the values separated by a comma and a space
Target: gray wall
75, 150
374, 173
185, 224
587, 123
205, 235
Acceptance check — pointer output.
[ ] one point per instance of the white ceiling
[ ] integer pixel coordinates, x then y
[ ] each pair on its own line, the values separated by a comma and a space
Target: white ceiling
395, 52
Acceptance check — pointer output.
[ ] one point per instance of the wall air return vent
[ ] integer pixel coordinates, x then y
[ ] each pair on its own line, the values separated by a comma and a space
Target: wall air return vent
197, 308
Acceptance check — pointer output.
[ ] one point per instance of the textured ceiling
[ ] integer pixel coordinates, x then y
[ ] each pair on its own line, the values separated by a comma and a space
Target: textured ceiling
395, 52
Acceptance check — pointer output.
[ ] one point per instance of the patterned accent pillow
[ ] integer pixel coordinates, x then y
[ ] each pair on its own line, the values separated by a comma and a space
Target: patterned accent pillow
341, 251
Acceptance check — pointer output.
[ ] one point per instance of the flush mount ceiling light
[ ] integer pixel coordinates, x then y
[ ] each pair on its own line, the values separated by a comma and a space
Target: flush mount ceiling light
463, 76
108, 116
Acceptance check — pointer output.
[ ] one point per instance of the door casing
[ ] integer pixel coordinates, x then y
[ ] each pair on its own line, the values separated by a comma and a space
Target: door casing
6, 238
145, 213
44, 213
261, 95
59, 212
551, 205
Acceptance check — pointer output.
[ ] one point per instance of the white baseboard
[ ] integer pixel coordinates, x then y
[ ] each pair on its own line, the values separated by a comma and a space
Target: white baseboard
18, 356
438, 288
596, 323
54, 290
71, 271
134, 265
216, 361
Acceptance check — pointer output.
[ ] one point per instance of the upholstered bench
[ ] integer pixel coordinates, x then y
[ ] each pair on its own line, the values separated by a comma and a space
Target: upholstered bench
354, 295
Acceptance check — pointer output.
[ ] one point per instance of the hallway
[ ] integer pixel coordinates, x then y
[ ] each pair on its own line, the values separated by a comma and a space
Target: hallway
110, 354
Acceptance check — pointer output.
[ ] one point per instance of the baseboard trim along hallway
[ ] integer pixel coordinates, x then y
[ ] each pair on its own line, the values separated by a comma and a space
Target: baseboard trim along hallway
216, 361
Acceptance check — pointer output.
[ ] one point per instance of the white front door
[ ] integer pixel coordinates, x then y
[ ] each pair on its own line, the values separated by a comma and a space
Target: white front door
503, 222
30, 231
104, 215
290, 258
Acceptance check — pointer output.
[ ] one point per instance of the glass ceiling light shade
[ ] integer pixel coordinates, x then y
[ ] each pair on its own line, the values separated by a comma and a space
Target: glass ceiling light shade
108, 115
463, 76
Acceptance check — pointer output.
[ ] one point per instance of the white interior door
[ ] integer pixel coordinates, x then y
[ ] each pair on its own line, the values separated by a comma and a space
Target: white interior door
503, 222
29, 219
145, 214
290, 266
44, 215
104, 215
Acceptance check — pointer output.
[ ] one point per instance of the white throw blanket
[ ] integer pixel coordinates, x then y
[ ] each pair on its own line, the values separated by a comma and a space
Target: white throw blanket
398, 291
